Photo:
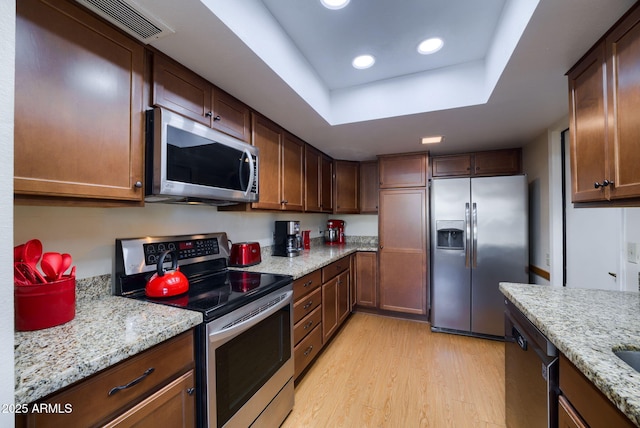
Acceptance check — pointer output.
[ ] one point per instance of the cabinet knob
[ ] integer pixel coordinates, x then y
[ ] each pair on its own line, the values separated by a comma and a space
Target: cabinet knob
138, 184
190, 391
209, 114
284, 201
217, 118
604, 183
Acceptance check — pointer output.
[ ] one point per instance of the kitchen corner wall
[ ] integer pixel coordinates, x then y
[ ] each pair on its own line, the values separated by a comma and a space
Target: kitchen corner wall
7, 72
89, 234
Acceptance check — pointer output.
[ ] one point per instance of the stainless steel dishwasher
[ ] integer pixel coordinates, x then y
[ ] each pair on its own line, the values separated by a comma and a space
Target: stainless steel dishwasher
531, 373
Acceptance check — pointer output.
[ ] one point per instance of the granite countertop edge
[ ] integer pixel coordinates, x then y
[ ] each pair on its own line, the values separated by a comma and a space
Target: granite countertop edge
108, 329
586, 325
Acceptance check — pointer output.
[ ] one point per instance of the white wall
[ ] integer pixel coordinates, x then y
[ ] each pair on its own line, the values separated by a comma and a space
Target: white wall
536, 166
7, 47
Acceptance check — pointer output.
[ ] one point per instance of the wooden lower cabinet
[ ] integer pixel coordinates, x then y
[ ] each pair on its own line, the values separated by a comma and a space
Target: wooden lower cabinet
166, 385
307, 320
366, 288
172, 406
586, 401
305, 351
568, 417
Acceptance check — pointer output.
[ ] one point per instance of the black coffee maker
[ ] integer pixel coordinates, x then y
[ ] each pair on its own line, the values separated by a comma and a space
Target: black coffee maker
287, 239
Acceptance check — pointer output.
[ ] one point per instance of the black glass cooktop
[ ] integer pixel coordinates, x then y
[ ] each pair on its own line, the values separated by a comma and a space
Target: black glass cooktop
218, 294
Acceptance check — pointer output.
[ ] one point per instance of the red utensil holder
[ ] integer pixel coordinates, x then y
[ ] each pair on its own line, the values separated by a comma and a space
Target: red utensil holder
44, 305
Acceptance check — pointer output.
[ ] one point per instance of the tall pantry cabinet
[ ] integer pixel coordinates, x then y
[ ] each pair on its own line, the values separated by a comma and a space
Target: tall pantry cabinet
403, 250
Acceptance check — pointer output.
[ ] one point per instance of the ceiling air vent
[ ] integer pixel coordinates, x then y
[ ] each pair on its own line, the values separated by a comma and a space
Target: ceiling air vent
130, 17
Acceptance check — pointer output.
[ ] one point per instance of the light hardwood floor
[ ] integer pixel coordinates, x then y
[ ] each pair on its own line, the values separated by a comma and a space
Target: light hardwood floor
386, 372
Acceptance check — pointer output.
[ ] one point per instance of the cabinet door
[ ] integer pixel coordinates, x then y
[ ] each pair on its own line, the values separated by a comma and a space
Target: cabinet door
230, 115
78, 106
369, 187
329, 309
451, 166
588, 127
568, 417
403, 171
623, 63
292, 173
346, 187
344, 304
172, 406
367, 279
403, 250
267, 136
180, 90
326, 184
497, 162
312, 166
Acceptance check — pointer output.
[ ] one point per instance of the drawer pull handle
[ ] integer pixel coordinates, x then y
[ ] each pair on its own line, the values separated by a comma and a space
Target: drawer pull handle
308, 350
308, 283
308, 305
132, 383
307, 325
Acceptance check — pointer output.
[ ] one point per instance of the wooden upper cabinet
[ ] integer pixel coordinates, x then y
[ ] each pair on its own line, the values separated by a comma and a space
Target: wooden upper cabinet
179, 89
326, 186
588, 127
79, 121
497, 162
292, 173
478, 164
407, 170
604, 94
623, 98
451, 166
347, 182
281, 167
267, 137
369, 187
312, 192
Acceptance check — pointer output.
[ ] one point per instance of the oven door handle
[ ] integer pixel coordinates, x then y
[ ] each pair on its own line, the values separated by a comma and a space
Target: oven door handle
236, 328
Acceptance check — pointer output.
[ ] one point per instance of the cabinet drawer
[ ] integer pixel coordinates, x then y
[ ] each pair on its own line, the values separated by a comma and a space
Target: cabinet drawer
306, 284
90, 398
334, 269
306, 351
592, 405
306, 324
306, 305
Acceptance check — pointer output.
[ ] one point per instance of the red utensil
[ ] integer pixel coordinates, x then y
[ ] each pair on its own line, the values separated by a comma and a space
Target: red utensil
51, 265
66, 262
24, 272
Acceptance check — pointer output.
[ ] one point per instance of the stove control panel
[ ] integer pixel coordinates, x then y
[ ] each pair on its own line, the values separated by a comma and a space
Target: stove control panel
187, 249
139, 255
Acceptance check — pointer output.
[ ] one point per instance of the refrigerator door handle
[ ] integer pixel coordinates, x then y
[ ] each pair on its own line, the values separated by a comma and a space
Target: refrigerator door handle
467, 244
474, 216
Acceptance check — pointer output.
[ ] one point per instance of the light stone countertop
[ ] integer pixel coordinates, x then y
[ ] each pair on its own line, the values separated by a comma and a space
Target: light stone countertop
310, 260
585, 325
105, 330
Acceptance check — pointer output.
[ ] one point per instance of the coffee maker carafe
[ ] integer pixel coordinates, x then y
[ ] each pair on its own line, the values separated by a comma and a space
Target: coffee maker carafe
334, 235
287, 239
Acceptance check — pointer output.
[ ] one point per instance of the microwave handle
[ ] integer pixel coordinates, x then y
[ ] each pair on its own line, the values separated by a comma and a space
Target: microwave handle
252, 167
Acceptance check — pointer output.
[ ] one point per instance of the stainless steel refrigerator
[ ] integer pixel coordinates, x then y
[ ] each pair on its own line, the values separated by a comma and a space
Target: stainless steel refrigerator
479, 238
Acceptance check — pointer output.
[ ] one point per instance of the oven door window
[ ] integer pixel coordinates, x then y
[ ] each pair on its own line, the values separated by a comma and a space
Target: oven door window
194, 159
245, 363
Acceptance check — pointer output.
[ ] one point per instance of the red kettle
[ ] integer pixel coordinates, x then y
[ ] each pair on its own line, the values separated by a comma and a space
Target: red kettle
166, 283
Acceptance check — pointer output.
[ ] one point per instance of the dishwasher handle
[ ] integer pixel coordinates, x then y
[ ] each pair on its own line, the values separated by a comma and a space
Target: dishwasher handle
519, 338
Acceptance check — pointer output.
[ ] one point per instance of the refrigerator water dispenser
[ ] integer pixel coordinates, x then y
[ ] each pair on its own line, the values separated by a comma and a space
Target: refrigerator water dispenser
450, 234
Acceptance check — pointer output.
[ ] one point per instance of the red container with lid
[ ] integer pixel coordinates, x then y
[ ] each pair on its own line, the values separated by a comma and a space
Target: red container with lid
44, 305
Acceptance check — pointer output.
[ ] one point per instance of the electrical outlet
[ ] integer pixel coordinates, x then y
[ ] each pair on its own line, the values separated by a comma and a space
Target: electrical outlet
548, 259
632, 252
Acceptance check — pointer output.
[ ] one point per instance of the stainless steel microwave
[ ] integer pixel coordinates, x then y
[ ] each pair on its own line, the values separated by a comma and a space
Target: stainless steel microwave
189, 162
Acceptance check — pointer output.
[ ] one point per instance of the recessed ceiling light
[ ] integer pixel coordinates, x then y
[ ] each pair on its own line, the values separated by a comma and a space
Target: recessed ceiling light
363, 61
334, 4
433, 140
430, 46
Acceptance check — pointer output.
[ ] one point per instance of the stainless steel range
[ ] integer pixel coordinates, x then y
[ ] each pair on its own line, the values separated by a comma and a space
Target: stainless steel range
244, 347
